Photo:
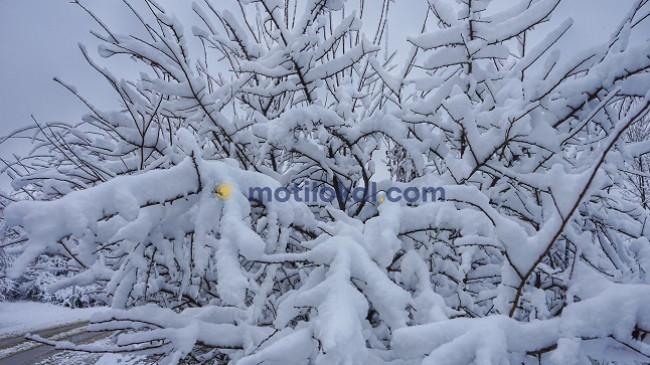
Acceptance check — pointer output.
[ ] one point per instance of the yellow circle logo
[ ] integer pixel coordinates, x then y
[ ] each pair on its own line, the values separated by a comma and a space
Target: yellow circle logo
224, 191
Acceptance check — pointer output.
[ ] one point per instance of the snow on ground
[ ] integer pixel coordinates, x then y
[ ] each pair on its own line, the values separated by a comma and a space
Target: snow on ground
21, 317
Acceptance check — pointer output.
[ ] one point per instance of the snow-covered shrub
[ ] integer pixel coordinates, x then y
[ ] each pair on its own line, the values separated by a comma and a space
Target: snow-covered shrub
637, 185
37, 284
531, 258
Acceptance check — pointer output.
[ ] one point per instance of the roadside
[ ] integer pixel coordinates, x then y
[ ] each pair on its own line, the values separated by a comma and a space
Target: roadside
17, 350
49, 321
23, 317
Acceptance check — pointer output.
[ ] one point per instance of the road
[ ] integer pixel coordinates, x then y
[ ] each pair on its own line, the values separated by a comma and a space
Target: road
17, 350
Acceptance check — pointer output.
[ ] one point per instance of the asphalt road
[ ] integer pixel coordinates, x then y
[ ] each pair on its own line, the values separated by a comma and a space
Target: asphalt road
17, 350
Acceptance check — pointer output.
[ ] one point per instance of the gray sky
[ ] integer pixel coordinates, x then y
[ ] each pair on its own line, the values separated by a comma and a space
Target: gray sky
38, 40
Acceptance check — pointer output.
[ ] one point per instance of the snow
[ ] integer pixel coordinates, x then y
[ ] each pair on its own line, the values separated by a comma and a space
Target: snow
537, 253
22, 317
458, 341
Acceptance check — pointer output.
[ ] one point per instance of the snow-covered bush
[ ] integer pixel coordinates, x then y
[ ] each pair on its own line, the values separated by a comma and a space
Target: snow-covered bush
39, 281
637, 186
532, 257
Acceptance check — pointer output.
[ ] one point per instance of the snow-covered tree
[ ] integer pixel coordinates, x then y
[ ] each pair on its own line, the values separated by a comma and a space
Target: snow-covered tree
532, 257
637, 186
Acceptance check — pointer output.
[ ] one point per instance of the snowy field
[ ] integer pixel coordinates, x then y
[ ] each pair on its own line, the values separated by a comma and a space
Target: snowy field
22, 317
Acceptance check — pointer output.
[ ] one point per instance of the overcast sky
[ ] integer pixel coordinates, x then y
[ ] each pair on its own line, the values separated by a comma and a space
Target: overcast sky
38, 40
